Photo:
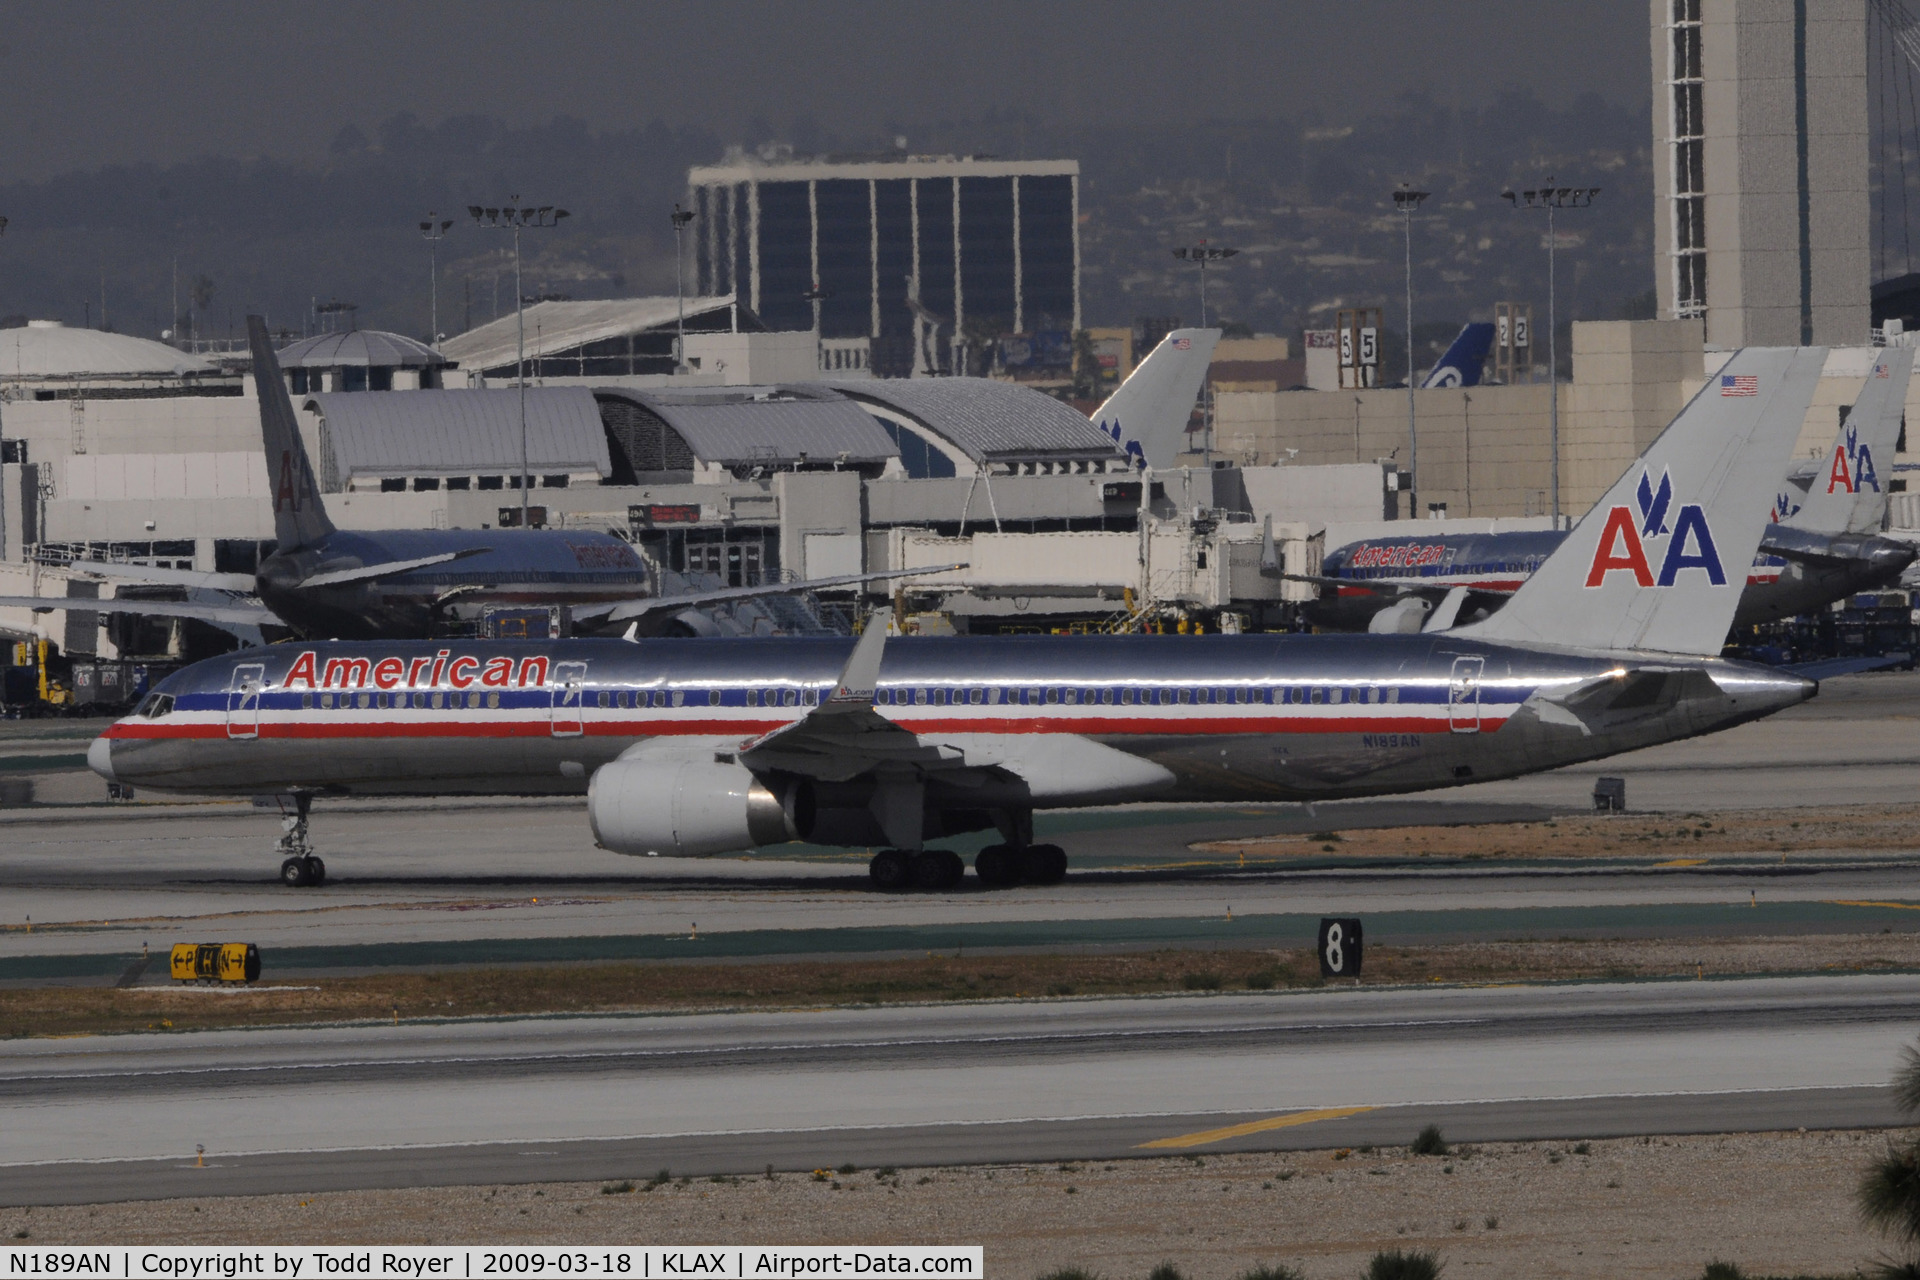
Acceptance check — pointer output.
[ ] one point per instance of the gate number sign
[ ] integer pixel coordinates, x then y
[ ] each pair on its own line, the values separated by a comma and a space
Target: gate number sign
1339, 948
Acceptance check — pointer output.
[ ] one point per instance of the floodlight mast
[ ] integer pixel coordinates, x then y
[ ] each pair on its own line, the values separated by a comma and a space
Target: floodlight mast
1200, 255
435, 230
681, 217
1407, 200
1550, 198
513, 216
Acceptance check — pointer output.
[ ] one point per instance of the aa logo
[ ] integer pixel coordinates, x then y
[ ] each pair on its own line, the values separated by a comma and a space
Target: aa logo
293, 484
1784, 507
1630, 540
1131, 447
1852, 468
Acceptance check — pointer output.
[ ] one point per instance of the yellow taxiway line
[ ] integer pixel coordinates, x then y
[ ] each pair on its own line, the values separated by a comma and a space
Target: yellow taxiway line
1207, 1137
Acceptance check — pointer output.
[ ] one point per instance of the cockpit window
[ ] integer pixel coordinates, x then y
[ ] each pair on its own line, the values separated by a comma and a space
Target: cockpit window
156, 705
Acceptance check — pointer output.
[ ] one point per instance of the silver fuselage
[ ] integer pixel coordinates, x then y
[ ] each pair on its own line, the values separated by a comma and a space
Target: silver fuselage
1271, 717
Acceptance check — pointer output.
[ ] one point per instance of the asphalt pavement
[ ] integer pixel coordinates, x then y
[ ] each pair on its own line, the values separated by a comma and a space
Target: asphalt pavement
543, 1099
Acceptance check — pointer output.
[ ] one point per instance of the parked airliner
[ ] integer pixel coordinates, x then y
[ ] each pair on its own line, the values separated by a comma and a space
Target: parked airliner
1822, 543
323, 581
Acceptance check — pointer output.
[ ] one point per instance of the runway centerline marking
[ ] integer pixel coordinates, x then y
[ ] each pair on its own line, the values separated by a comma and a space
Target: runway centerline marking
1206, 1137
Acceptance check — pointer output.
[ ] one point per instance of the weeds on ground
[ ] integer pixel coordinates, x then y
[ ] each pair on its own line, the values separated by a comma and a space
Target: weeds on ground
1412, 1264
1429, 1142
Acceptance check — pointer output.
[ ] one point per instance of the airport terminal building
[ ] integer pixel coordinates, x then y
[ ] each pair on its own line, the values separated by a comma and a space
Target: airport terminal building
864, 247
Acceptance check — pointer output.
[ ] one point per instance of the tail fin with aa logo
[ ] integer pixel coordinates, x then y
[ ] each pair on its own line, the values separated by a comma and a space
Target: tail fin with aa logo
299, 519
1848, 486
1660, 561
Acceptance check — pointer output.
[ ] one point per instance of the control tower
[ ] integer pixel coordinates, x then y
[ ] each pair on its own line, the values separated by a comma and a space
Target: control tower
1760, 169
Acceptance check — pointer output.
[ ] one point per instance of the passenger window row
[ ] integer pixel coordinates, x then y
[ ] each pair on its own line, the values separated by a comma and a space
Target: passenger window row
1037, 695
473, 698
158, 705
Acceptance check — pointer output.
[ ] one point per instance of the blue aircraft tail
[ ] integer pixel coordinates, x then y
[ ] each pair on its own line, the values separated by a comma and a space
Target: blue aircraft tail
1460, 366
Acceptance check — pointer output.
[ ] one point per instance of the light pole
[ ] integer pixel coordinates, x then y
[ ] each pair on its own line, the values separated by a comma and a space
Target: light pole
1550, 198
515, 217
1407, 200
435, 230
681, 217
1200, 255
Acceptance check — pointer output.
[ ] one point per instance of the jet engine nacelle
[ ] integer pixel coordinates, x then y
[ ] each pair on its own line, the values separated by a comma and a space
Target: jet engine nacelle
683, 808
1404, 617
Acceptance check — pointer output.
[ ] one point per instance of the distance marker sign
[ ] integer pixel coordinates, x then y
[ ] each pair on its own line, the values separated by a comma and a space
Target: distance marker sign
1339, 948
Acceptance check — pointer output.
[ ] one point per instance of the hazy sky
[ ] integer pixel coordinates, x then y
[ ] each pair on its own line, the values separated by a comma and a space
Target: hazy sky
87, 84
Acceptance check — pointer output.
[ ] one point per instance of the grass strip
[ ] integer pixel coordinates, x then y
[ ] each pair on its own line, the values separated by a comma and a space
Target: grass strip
504, 991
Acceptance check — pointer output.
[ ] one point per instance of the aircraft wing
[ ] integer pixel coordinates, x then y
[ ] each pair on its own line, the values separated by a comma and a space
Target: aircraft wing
241, 582
627, 610
385, 569
844, 736
225, 615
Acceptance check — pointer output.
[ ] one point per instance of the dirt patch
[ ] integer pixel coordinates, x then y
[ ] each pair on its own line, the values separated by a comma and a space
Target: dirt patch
1774, 1204
1658, 837
612, 988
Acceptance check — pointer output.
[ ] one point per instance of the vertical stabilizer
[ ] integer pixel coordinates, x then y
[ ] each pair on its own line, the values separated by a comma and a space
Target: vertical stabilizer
299, 519
1147, 414
1461, 365
1660, 561
1849, 489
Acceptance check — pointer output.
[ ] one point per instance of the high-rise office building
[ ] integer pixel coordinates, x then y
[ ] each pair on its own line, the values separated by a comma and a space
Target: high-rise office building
1760, 168
949, 251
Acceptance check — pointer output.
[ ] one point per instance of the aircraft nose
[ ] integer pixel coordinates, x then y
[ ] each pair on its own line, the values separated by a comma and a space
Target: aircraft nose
100, 758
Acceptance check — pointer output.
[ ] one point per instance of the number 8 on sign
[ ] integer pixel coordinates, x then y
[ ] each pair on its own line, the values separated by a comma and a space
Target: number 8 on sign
1340, 944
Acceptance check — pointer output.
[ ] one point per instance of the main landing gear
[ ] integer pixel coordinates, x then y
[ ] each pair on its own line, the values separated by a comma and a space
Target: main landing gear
301, 867
999, 866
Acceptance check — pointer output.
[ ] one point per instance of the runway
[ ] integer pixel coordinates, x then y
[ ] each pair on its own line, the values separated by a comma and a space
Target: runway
543, 1099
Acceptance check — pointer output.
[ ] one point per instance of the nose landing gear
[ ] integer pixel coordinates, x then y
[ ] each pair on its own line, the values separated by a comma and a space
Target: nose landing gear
301, 867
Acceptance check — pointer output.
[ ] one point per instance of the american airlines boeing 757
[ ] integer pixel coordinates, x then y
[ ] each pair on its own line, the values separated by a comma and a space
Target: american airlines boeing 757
715, 746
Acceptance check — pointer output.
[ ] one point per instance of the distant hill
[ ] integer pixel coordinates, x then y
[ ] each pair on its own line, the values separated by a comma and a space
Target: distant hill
1306, 202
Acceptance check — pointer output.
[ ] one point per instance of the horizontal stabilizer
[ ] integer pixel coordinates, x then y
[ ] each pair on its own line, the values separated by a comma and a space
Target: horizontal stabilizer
241, 582
387, 568
626, 610
224, 615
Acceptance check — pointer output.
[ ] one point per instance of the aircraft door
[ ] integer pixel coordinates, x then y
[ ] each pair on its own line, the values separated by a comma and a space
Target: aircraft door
569, 680
243, 700
1463, 695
